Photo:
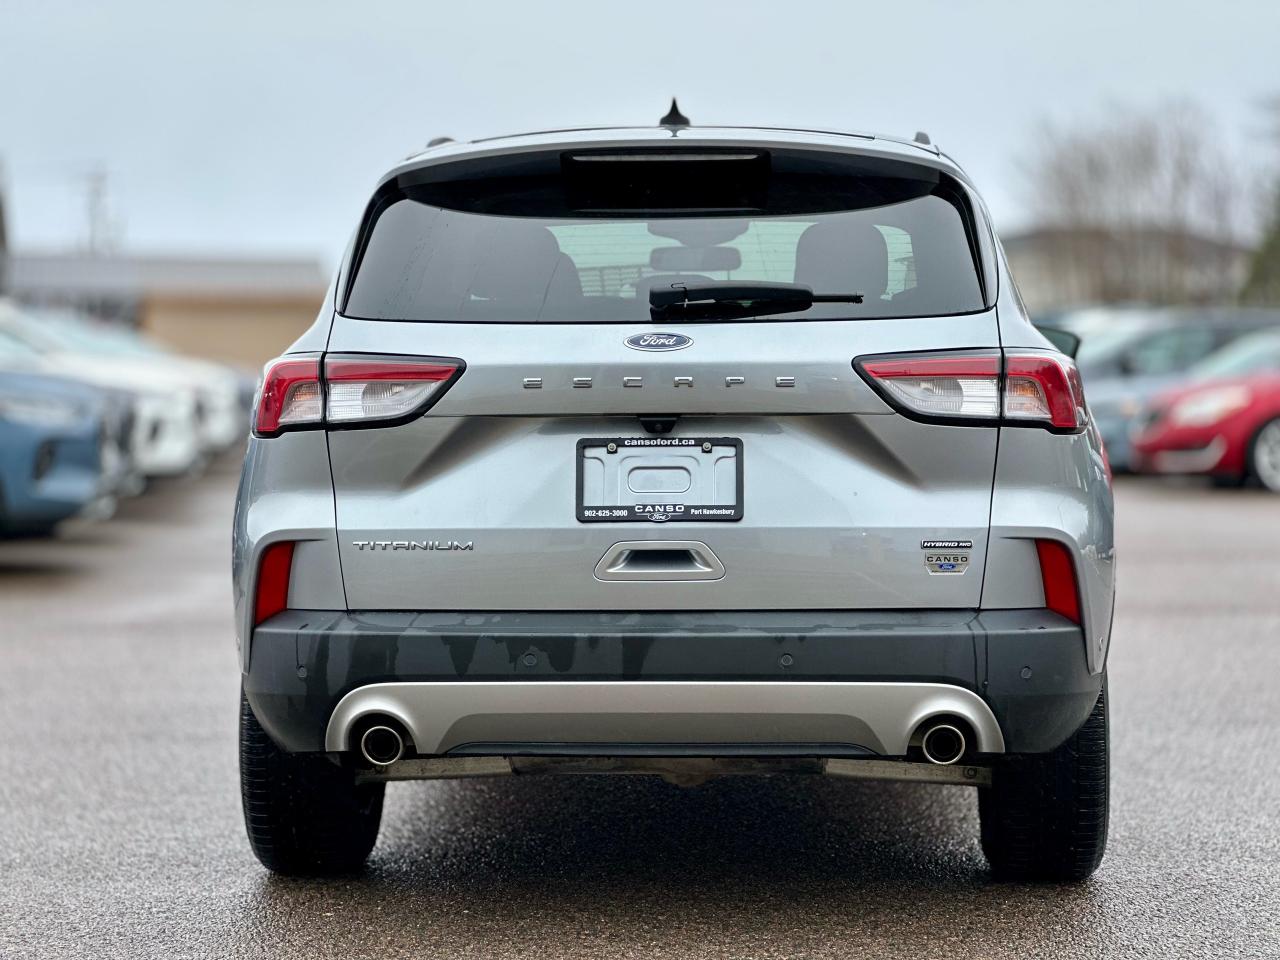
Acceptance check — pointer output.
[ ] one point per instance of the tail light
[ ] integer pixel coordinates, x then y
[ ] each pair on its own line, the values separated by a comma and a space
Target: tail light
940, 387
274, 568
290, 397
363, 389
349, 391
1044, 388
981, 387
1058, 575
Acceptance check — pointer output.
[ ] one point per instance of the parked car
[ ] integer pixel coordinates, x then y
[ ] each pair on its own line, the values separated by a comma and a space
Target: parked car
119, 475
50, 451
676, 450
165, 439
1145, 353
1224, 423
221, 416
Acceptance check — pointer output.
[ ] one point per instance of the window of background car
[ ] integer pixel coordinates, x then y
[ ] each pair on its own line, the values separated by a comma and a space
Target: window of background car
1169, 351
1143, 350
1256, 353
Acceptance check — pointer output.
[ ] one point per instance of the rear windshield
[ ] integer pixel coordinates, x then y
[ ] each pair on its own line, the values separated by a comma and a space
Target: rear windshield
568, 249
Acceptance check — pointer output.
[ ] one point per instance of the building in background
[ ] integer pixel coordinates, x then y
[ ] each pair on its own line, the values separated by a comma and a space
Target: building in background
1062, 267
237, 310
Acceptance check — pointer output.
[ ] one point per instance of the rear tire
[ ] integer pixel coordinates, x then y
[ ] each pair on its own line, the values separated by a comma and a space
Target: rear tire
1045, 817
305, 816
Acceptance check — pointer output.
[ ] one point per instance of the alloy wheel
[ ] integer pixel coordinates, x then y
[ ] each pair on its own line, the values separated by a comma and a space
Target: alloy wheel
1266, 455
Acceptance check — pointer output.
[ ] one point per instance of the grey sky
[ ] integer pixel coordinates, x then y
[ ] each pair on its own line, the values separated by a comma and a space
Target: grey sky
241, 127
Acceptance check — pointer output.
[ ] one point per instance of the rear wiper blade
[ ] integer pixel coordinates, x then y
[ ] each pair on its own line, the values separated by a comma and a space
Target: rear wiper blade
731, 300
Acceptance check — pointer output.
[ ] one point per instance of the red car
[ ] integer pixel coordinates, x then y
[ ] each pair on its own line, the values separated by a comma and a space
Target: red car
1224, 423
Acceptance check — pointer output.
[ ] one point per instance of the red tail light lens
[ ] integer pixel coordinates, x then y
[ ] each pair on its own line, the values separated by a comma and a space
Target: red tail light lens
291, 396
1045, 388
363, 389
1058, 574
1036, 389
274, 568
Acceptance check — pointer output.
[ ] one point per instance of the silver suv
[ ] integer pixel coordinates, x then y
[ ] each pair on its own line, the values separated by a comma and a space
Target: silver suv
687, 451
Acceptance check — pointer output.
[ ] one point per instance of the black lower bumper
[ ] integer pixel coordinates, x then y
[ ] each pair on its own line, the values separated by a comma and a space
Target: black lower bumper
1029, 665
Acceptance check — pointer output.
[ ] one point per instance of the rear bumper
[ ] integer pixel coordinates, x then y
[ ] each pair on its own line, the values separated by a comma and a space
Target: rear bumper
661, 717
820, 682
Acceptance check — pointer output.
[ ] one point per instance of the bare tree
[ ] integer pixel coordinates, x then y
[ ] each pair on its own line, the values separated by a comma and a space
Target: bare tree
1263, 285
1142, 205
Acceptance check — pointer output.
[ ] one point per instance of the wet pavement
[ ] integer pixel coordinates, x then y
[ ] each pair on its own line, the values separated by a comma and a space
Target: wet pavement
120, 829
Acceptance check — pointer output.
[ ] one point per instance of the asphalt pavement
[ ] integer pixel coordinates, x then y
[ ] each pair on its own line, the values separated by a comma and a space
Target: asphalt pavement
121, 836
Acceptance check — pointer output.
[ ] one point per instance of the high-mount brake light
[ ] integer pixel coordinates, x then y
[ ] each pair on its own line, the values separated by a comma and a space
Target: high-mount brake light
1022, 388
364, 389
291, 395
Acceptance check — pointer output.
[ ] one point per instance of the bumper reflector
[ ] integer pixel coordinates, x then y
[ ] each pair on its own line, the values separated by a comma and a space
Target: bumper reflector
1058, 574
272, 594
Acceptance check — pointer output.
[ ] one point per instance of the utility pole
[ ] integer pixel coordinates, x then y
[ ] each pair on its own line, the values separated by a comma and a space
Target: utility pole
98, 214
95, 206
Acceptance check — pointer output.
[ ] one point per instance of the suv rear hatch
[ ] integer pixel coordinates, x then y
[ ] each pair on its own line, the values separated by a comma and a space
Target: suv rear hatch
579, 452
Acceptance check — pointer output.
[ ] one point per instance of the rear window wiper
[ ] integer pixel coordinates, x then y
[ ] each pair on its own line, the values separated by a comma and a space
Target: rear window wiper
732, 300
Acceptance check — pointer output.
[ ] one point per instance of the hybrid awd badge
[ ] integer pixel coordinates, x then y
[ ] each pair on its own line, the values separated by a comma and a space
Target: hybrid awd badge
946, 556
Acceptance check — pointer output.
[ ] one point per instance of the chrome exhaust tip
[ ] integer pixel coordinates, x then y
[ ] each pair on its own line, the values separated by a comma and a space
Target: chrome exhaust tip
943, 744
382, 745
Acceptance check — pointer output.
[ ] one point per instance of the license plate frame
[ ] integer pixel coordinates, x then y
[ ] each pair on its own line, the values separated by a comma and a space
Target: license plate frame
646, 509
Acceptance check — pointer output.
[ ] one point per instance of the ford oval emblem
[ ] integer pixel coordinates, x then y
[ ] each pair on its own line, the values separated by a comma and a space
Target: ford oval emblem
658, 341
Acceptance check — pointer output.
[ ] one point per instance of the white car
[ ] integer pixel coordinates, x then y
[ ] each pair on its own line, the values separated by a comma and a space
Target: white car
221, 418
164, 438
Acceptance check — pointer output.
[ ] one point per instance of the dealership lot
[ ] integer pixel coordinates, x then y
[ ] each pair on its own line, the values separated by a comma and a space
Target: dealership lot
120, 807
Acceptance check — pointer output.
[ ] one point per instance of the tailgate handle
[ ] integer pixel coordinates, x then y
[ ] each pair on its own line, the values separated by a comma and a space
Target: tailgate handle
659, 560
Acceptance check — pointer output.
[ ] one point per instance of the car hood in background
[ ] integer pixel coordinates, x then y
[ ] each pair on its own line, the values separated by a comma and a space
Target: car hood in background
1125, 396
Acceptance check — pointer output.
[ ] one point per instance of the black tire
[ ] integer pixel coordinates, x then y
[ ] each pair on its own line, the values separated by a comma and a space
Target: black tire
305, 815
1045, 817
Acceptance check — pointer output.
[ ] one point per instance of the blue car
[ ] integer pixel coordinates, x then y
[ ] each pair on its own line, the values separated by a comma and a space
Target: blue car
50, 451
